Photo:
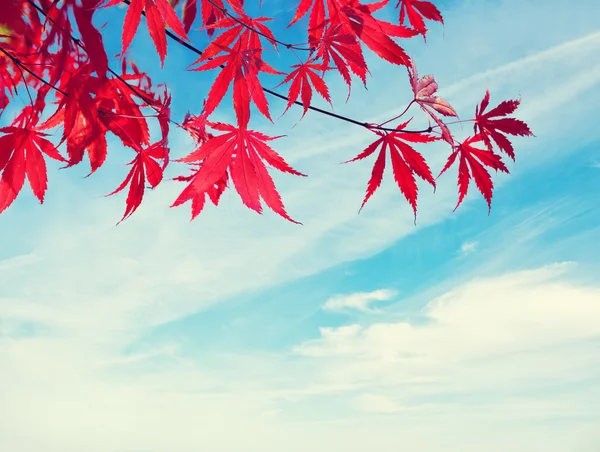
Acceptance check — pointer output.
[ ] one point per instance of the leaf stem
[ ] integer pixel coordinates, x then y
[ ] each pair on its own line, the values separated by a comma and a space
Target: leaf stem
400, 115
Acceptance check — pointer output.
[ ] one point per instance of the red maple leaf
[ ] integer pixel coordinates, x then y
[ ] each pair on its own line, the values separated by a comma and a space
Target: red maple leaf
415, 10
145, 167
375, 33
358, 19
240, 29
316, 20
21, 154
473, 163
302, 76
158, 14
345, 51
199, 199
406, 163
240, 153
12, 16
212, 10
241, 67
91, 37
496, 128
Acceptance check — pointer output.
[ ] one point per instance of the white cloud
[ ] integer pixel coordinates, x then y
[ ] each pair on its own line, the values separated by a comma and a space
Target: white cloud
468, 247
511, 352
360, 301
490, 335
374, 403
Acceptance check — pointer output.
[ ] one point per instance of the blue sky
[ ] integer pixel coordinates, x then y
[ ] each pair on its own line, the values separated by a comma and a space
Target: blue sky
240, 332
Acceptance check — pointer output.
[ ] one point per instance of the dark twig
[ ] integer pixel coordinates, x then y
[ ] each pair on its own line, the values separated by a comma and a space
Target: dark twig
22, 67
366, 125
115, 74
258, 32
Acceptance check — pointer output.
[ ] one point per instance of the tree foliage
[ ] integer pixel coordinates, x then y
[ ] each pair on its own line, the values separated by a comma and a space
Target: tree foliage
54, 53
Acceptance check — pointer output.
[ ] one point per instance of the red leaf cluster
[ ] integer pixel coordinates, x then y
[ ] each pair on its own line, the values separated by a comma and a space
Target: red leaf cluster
53, 57
473, 160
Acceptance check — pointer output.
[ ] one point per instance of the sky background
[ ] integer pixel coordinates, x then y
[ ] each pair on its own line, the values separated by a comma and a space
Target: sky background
240, 333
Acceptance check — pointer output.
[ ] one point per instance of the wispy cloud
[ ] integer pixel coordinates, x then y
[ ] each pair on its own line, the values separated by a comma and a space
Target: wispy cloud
360, 301
468, 247
488, 336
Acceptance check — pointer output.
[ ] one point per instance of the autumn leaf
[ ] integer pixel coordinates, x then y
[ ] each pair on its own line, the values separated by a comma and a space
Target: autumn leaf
158, 14
242, 68
240, 153
424, 89
21, 154
356, 18
241, 31
472, 164
91, 37
374, 33
316, 19
406, 163
144, 167
198, 200
301, 77
415, 10
494, 125
344, 50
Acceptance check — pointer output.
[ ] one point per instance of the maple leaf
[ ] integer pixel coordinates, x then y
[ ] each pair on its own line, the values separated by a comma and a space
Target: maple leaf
80, 139
212, 11
472, 163
158, 14
375, 33
86, 119
242, 67
241, 30
424, 89
240, 153
345, 51
316, 19
495, 129
144, 167
199, 199
21, 154
196, 127
301, 77
406, 163
91, 37
415, 11
189, 11
11, 15
7, 84
163, 116
119, 113
358, 19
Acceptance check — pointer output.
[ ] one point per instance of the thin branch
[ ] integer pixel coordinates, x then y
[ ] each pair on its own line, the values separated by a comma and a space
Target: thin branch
366, 125
258, 32
22, 67
115, 74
